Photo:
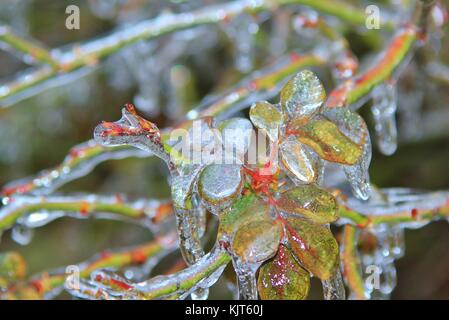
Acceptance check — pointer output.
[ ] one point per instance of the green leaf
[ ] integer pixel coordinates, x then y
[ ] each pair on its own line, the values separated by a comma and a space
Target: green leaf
303, 95
248, 208
314, 245
283, 278
267, 118
257, 241
324, 137
310, 201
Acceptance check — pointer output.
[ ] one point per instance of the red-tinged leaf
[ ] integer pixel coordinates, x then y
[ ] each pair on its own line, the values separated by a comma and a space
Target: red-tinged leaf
324, 137
257, 241
314, 245
282, 278
310, 201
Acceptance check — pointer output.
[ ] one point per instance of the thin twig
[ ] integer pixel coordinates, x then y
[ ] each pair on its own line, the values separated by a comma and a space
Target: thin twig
351, 264
53, 207
48, 283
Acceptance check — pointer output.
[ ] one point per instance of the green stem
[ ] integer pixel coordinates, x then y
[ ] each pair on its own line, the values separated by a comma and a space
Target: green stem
45, 282
85, 207
351, 265
28, 47
352, 90
185, 280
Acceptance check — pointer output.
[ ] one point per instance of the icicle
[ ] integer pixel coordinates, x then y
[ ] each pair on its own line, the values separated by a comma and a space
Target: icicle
380, 262
22, 235
189, 242
358, 174
200, 294
242, 29
200, 214
334, 289
384, 111
354, 127
246, 279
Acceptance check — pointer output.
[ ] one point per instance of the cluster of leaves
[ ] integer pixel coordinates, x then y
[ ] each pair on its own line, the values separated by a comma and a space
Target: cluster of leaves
275, 212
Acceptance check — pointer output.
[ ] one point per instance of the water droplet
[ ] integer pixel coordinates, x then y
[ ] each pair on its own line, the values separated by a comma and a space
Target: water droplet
21, 234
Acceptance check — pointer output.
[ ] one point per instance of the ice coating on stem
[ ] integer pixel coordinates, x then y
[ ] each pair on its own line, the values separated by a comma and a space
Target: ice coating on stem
384, 111
33, 212
334, 289
189, 240
79, 162
246, 279
106, 285
135, 131
358, 174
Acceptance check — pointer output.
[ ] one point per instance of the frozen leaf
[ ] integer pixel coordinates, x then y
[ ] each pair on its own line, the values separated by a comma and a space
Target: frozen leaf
283, 278
349, 123
220, 184
310, 201
326, 140
248, 208
267, 118
257, 241
303, 95
236, 136
354, 127
297, 159
314, 245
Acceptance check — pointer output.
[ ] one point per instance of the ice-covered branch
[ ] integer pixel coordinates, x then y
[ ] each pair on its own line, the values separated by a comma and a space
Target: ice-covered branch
387, 65
354, 89
405, 207
80, 161
351, 264
33, 52
47, 285
33, 211
203, 274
